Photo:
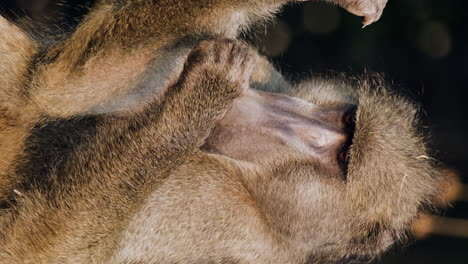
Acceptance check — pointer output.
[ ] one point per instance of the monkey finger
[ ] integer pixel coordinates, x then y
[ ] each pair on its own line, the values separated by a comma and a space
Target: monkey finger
242, 62
367, 20
370, 10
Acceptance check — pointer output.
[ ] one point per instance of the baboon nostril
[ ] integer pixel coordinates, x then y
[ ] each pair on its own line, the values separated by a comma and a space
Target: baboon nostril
343, 161
343, 156
350, 118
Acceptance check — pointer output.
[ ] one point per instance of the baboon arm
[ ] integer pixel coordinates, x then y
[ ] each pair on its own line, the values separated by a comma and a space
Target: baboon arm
16, 51
107, 181
108, 55
110, 51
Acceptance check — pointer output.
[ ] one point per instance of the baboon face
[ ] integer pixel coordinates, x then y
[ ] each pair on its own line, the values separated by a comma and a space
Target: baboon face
343, 171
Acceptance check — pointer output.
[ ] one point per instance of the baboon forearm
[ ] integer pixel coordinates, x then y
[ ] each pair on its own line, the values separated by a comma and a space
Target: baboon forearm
142, 25
179, 124
16, 52
104, 195
122, 39
118, 40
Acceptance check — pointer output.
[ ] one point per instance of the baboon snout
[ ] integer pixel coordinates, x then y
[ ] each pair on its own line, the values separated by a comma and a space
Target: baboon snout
261, 122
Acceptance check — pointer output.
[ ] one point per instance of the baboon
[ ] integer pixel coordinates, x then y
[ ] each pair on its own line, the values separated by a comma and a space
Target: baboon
121, 148
109, 63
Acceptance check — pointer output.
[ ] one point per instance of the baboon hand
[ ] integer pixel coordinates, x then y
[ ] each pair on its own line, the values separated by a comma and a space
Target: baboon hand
371, 10
216, 73
225, 61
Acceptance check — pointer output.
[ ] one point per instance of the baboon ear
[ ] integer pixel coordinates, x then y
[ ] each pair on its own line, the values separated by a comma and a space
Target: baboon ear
16, 51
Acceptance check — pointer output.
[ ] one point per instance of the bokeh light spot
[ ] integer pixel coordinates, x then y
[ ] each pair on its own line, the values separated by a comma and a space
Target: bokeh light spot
435, 40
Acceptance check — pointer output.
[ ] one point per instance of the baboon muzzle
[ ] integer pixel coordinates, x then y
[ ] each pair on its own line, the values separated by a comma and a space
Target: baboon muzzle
276, 122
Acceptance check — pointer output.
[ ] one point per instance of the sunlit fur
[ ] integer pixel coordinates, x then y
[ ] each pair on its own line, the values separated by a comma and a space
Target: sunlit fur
282, 207
90, 174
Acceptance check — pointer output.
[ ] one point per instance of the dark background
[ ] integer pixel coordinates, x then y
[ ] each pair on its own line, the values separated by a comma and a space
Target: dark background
421, 45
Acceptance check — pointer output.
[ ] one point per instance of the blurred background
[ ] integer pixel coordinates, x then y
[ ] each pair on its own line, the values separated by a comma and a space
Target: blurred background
420, 45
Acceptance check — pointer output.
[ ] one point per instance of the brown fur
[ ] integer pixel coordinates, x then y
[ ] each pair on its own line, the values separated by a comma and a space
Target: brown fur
16, 50
252, 200
104, 180
113, 171
110, 61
